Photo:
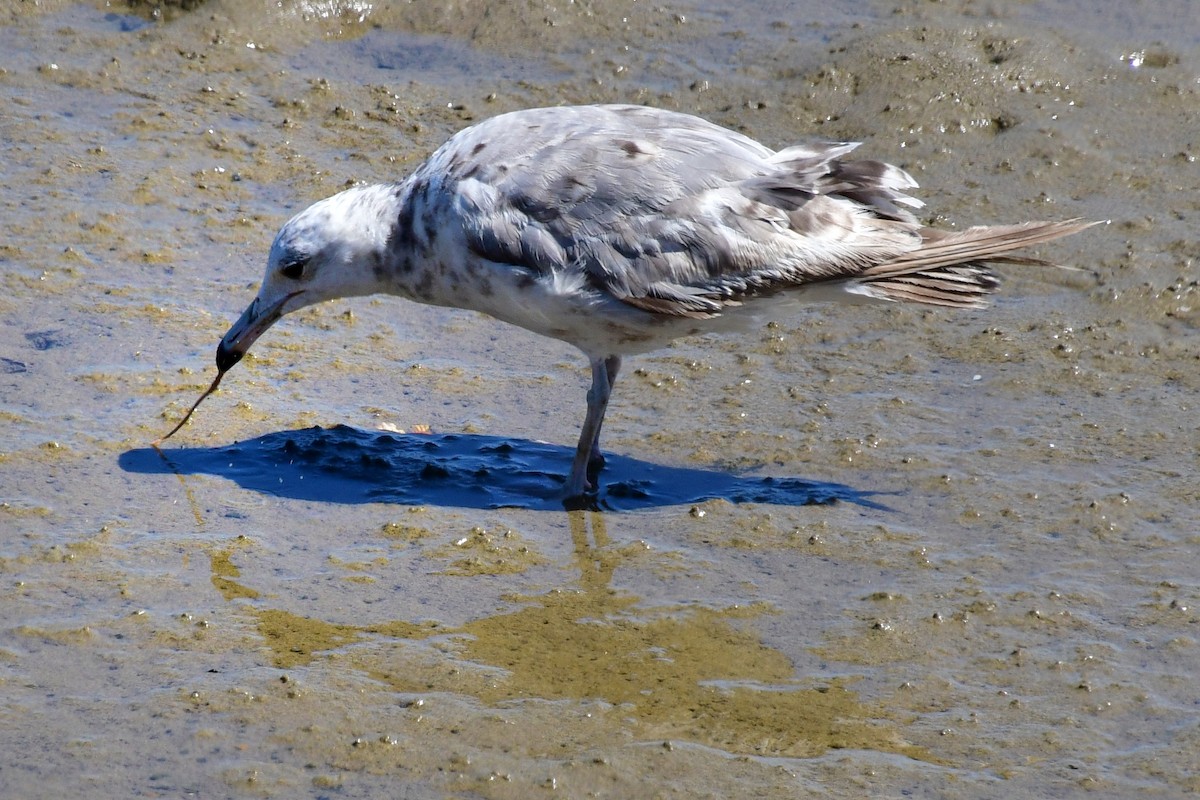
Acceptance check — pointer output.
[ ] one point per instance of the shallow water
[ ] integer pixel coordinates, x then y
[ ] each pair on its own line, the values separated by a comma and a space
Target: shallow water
1002, 601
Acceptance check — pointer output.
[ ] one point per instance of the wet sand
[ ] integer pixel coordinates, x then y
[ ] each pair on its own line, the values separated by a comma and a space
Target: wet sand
1019, 620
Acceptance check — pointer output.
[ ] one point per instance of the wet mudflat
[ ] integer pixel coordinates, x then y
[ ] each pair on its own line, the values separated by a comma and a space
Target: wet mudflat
267, 610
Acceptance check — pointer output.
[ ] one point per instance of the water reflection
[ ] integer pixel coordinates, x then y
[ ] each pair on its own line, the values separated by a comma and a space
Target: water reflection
684, 672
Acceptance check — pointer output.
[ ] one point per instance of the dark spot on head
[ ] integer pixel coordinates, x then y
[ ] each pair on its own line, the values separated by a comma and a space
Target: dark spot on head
478, 148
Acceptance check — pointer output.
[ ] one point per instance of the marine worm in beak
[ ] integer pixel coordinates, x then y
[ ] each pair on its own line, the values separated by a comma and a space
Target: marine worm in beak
188, 415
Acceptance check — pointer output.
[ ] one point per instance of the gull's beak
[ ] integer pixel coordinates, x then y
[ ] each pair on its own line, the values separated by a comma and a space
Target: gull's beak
253, 323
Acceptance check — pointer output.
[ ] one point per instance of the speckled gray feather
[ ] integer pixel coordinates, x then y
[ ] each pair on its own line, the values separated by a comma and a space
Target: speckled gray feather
667, 212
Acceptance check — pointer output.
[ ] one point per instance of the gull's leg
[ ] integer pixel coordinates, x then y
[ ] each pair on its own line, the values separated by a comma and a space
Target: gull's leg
612, 365
597, 404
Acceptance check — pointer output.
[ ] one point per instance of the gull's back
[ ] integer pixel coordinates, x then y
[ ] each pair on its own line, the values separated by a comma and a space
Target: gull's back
619, 228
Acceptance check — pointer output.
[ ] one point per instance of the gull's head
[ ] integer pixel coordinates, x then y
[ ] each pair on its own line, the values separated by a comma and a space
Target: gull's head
334, 248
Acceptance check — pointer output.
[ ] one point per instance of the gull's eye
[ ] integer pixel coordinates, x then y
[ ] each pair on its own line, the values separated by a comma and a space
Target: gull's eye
293, 268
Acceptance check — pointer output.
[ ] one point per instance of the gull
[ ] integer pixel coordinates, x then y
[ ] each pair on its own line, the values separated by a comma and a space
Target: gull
620, 228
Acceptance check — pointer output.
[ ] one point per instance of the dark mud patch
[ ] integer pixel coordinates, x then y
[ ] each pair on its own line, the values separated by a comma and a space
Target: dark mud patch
348, 465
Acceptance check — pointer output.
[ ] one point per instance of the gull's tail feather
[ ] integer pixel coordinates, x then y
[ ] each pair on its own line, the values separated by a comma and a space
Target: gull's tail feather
949, 269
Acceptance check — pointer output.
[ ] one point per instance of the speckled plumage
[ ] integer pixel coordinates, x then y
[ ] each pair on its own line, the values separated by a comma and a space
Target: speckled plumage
621, 228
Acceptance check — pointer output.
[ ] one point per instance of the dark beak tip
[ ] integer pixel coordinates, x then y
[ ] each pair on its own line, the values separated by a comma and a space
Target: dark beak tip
227, 356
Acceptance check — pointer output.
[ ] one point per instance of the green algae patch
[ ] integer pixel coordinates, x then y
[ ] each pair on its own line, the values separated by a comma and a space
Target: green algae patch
296, 640
487, 552
402, 534
567, 645
680, 673
689, 673
81, 635
223, 573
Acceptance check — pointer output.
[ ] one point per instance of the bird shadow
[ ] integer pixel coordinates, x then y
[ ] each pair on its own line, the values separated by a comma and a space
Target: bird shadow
348, 465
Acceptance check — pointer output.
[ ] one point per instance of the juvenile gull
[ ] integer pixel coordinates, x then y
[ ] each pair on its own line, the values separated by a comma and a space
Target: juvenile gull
620, 228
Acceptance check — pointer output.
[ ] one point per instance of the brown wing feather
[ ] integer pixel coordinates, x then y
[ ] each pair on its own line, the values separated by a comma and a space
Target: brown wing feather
948, 269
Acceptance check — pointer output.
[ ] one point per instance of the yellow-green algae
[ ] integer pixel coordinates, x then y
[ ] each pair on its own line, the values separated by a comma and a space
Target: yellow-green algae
223, 573
484, 552
689, 672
